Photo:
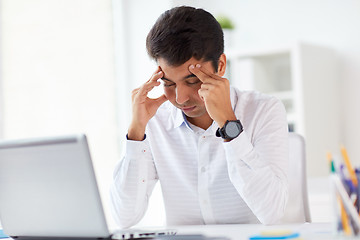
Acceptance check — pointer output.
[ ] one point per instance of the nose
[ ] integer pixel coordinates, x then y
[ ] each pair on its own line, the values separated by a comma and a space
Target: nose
182, 94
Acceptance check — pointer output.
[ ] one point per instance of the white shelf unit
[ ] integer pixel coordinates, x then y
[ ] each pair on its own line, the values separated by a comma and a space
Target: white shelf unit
305, 78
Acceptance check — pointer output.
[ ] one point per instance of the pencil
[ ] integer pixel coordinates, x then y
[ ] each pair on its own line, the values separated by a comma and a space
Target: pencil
349, 166
344, 218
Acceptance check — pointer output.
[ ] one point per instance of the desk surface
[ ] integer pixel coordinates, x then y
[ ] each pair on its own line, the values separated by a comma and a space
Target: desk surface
308, 231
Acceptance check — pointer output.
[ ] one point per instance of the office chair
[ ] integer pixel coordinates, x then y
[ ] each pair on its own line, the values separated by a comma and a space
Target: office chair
297, 209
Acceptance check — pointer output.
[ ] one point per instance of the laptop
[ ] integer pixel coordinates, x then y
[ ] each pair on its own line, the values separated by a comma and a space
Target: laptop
48, 189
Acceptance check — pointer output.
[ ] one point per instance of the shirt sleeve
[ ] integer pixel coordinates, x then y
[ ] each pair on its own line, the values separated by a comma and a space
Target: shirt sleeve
133, 182
258, 162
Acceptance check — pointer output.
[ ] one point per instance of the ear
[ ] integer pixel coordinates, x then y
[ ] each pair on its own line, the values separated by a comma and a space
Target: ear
222, 65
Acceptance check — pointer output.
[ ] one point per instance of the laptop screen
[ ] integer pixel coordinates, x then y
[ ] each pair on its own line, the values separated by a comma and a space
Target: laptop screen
48, 188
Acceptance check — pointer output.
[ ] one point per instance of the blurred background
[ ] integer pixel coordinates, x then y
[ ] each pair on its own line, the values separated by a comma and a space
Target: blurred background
68, 66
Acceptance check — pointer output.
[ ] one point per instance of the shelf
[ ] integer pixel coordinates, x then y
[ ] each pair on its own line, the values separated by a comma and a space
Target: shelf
283, 95
257, 52
263, 73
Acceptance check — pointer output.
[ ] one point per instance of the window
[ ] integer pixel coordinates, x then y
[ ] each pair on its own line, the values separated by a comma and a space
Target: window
58, 75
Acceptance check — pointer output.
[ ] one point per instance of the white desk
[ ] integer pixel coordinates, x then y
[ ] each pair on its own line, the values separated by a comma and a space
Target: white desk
313, 231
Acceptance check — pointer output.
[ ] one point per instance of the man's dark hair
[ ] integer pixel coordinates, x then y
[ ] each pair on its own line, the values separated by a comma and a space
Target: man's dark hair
185, 32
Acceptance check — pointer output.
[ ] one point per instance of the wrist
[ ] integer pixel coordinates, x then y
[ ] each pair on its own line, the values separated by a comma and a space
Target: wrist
230, 117
136, 133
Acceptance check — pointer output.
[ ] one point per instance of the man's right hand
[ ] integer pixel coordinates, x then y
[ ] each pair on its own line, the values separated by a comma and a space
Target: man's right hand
143, 107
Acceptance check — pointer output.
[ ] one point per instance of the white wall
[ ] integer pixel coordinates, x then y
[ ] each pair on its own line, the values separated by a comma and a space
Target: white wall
58, 74
332, 23
133, 20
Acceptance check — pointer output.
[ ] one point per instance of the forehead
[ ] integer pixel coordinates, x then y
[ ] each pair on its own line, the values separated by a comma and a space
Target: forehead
176, 73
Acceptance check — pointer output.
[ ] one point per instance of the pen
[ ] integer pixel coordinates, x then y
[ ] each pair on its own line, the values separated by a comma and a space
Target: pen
286, 236
348, 185
336, 206
358, 191
331, 162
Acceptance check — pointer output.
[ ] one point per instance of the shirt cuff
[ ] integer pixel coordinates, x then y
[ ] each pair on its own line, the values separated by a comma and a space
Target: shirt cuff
127, 137
138, 149
241, 142
240, 148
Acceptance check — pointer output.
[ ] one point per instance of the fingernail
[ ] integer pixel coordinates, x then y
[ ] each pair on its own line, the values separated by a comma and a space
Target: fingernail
198, 65
192, 66
159, 72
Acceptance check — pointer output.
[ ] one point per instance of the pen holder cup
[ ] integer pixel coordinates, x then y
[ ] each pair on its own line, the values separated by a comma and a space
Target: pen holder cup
345, 203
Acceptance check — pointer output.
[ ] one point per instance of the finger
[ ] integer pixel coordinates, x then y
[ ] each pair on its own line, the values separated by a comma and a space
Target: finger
207, 72
151, 83
154, 75
200, 71
146, 88
158, 69
154, 81
157, 76
203, 94
202, 75
207, 86
134, 92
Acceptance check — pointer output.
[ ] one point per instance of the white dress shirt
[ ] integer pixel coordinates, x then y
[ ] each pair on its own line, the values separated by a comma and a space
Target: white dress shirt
205, 180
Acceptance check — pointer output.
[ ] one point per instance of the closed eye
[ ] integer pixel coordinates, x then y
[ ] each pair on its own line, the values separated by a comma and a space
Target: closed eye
193, 81
168, 83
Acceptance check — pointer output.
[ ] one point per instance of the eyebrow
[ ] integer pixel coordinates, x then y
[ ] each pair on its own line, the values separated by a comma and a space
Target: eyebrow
187, 77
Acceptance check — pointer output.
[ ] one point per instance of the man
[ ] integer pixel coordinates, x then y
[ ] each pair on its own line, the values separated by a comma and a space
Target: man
220, 154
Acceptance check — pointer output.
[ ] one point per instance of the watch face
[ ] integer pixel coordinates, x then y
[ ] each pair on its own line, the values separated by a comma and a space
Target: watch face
232, 129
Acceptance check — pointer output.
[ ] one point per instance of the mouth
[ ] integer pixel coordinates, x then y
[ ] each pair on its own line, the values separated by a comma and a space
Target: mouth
188, 109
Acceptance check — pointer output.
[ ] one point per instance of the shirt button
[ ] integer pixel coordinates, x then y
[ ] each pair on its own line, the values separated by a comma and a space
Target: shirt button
203, 169
143, 150
203, 137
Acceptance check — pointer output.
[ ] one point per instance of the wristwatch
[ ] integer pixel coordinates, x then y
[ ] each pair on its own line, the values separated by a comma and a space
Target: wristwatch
230, 130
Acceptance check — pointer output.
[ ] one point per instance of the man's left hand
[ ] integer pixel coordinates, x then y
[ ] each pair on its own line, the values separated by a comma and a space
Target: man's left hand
215, 92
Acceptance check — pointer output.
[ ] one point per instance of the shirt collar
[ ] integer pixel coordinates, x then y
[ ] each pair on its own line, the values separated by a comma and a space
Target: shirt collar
179, 117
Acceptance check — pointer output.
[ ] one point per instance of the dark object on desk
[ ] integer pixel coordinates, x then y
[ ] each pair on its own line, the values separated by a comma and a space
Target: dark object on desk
190, 237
